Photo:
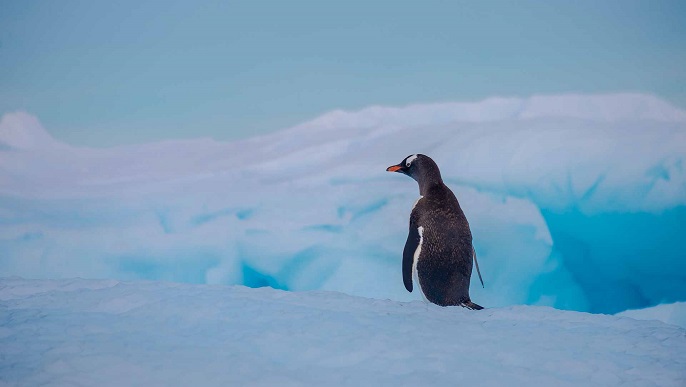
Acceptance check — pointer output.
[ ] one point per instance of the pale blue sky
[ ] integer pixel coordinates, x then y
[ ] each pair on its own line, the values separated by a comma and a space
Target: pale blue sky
102, 73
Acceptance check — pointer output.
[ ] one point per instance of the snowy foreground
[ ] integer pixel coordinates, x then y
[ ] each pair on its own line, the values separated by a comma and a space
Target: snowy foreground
110, 333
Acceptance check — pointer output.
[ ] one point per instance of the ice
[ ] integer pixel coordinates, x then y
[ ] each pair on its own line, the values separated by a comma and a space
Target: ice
575, 201
21, 130
110, 333
670, 313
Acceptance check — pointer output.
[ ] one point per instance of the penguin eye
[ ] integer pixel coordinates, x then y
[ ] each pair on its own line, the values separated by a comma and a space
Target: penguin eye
410, 160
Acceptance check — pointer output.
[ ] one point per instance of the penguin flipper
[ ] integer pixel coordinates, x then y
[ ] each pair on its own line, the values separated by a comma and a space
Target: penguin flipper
408, 255
477, 268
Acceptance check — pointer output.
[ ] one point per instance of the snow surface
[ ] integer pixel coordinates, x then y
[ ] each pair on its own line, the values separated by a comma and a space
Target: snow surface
575, 201
670, 313
110, 333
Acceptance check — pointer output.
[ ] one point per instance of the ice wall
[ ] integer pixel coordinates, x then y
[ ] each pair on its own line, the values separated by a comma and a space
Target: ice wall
575, 201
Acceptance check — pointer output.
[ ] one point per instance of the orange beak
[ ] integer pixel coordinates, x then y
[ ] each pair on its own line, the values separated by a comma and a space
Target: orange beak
393, 168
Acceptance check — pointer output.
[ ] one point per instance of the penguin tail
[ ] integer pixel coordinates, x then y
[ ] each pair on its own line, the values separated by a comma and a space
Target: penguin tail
470, 305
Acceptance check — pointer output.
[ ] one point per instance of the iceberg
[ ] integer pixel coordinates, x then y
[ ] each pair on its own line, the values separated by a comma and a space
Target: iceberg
575, 201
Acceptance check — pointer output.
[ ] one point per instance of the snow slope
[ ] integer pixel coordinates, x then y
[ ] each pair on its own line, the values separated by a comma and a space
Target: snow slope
575, 201
110, 333
674, 314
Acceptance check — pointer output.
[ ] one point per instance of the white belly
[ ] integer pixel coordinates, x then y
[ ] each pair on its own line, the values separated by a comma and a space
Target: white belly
415, 260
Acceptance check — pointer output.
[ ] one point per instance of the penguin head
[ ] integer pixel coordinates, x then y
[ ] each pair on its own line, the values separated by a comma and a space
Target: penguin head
422, 169
408, 166
419, 167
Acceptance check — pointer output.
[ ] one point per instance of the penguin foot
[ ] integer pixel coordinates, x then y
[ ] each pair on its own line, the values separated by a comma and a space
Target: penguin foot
471, 305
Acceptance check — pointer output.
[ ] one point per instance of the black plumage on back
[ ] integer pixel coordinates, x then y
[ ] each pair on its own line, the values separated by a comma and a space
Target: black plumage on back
438, 252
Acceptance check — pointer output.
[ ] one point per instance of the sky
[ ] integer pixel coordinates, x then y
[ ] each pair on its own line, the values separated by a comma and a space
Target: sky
103, 73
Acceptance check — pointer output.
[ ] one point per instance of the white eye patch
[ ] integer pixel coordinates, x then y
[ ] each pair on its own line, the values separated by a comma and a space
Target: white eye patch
410, 160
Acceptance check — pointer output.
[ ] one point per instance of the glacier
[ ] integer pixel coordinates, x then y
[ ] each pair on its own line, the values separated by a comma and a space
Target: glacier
113, 333
575, 201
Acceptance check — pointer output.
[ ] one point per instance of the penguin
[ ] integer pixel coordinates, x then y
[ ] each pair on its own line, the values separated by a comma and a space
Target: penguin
438, 253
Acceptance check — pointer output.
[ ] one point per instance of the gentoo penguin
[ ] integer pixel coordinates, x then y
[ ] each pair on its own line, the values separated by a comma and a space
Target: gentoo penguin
438, 253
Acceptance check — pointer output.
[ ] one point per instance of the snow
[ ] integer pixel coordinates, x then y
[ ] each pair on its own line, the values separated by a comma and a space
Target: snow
21, 130
575, 201
670, 313
111, 333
